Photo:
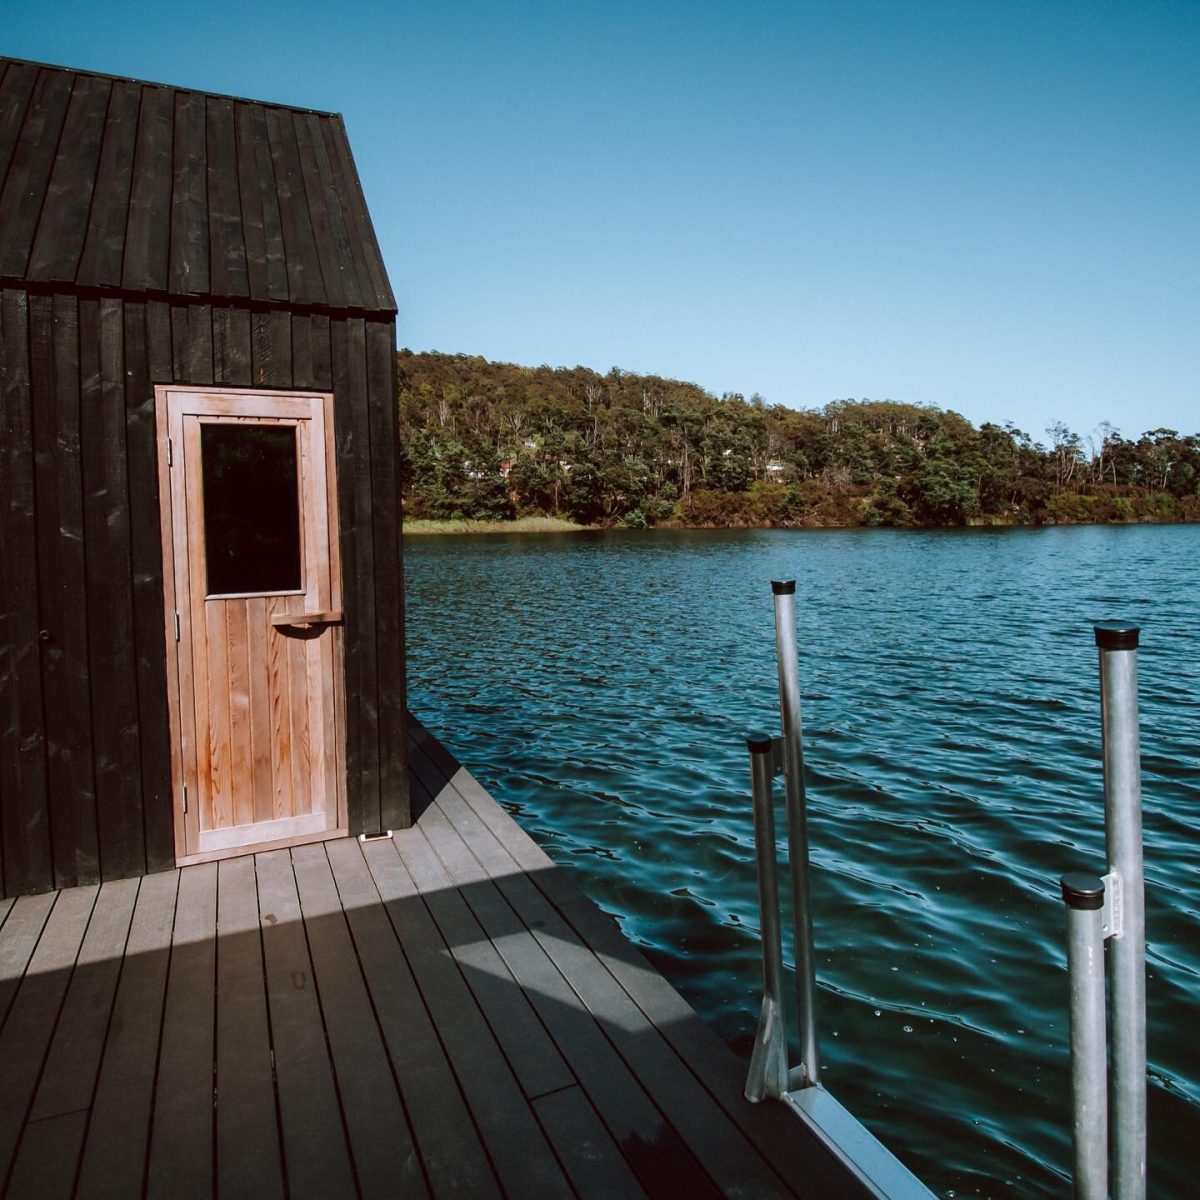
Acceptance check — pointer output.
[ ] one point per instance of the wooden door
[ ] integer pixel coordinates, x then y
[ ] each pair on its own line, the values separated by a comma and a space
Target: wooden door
252, 584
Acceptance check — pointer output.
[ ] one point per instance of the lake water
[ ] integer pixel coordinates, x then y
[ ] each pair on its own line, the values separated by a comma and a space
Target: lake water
601, 686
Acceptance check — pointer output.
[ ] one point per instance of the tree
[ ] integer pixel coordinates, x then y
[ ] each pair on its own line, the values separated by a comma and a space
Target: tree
1068, 452
480, 437
940, 493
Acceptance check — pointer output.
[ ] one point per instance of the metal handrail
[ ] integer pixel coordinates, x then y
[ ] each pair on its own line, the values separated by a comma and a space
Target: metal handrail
1116, 914
788, 662
769, 757
1099, 911
875, 1170
1127, 949
1084, 898
768, 1074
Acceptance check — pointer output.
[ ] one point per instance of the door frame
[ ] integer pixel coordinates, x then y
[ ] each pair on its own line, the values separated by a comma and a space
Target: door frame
183, 730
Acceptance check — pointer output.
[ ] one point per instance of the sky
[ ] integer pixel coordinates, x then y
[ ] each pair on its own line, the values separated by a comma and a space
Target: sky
991, 206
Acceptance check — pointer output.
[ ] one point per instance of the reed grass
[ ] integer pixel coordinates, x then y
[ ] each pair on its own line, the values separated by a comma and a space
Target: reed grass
521, 525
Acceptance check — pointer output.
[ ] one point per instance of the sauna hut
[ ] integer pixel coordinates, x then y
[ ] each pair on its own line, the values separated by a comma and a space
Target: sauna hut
201, 589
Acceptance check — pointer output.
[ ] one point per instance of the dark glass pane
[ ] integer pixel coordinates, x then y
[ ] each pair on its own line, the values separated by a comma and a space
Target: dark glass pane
251, 510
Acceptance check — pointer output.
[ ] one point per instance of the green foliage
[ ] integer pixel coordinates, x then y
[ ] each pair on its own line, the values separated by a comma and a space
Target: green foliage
886, 507
939, 492
490, 441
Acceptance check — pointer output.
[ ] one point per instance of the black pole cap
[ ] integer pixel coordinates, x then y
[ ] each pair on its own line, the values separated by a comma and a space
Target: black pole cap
783, 587
758, 743
1117, 637
1083, 891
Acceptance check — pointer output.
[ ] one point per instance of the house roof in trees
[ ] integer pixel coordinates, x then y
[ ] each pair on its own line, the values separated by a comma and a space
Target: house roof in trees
119, 186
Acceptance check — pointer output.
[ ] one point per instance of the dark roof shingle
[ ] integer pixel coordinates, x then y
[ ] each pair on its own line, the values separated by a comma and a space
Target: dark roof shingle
138, 188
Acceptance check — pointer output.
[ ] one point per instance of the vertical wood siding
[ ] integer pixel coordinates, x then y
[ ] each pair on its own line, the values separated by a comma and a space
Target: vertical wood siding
65, 649
85, 777
389, 573
24, 807
112, 183
146, 564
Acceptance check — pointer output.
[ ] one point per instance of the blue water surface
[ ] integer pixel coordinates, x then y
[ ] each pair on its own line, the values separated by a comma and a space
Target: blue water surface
601, 684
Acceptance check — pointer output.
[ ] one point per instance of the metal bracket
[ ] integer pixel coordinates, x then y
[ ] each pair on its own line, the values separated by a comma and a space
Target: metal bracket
769, 1074
799, 1078
778, 764
1114, 905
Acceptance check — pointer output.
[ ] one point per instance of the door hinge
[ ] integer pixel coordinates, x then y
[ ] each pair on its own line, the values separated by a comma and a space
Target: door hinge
177, 627
170, 453
185, 797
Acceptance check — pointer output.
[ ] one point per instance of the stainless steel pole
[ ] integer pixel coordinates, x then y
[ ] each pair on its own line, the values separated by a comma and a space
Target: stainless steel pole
769, 1059
1127, 953
809, 1070
1084, 898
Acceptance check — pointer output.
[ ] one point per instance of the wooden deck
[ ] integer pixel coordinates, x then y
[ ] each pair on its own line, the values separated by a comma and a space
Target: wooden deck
440, 1014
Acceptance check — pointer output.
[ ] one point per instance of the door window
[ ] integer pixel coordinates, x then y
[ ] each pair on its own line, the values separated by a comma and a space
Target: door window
251, 509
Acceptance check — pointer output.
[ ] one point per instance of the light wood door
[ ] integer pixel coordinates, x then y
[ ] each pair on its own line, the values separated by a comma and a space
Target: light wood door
253, 590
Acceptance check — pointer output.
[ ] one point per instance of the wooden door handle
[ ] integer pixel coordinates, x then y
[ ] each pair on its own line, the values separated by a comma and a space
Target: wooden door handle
307, 620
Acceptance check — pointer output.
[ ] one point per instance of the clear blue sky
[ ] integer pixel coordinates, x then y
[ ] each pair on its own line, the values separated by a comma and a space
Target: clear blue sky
988, 205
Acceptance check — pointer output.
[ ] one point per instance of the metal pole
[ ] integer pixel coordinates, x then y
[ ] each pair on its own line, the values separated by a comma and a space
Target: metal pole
1084, 898
1127, 954
769, 1059
793, 757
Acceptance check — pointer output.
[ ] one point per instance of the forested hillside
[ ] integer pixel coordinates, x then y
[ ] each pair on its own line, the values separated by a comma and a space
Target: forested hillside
487, 440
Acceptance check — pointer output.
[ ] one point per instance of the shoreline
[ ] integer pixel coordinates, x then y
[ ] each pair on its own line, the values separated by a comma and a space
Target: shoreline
432, 528
422, 527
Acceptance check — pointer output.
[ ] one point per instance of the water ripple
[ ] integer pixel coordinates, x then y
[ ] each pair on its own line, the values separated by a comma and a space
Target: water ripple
601, 686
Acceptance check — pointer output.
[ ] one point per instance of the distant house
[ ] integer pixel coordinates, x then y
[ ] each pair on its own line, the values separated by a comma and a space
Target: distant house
774, 472
201, 607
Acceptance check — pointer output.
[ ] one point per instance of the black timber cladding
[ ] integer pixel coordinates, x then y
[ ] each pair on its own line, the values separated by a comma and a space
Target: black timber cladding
158, 235
130, 187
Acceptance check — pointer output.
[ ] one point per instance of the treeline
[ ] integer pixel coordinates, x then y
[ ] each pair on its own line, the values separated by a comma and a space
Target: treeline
487, 440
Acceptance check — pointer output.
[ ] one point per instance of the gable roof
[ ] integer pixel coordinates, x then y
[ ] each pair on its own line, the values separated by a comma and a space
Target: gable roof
138, 188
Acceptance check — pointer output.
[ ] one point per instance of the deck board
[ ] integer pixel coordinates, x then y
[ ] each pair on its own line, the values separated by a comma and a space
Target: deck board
453, 1155
441, 1014
114, 1155
181, 1137
380, 1138
18, 939
317, 1158
247, 1136
27, 1033
516, 1145
53, 1135
592, 1160
661, 1161
529, 1048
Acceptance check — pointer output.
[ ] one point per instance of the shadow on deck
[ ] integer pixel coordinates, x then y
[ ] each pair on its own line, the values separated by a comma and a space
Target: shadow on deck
439, 1014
